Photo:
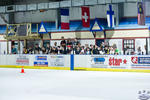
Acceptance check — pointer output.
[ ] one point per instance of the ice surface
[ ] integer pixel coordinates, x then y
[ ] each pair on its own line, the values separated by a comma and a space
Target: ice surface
37, 84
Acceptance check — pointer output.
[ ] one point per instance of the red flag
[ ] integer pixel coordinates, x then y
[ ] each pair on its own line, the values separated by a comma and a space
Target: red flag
85, 16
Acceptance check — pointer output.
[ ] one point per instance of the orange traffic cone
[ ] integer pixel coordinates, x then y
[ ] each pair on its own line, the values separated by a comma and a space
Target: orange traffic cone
22, 70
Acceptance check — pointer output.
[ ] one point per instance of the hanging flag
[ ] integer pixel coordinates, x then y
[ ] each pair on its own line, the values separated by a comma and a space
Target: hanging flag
85, 16
64, 18
42, 29
141, 16
110, 17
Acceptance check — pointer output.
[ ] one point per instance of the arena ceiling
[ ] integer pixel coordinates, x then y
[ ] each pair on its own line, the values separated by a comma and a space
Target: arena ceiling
12, 2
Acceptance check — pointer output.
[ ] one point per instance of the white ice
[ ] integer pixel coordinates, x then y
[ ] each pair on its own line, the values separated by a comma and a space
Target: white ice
37, 84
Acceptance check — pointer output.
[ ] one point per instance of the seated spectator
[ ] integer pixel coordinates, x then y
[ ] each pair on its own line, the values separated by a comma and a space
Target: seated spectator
69, 50
30, 50
112, 52
116, 51
100, 51
95, 50
82, 51
63, 42
139, 51
88, 52
106, 49
77, 51
75, 42
14, 50
62, 50
37, 49
69, 43
43, 50
54, 50
55, 44
48, 49
24, 50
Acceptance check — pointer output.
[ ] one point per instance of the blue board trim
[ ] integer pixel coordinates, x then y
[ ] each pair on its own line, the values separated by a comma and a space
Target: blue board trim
72, 62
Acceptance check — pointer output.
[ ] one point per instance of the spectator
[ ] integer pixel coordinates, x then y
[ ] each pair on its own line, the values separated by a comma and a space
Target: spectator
116, 51
95, 50
69, 50
75, 42
139, 51
69, 43
43, 50
14, 50
37, 49
112, 52
82, 51
55, 44
24, 50
88, 52
62, 50
54, 50
77, 51
106, 49
48, 49
63, 42
30, 50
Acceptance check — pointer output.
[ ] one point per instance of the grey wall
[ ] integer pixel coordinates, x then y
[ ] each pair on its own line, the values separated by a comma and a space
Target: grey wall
99, 11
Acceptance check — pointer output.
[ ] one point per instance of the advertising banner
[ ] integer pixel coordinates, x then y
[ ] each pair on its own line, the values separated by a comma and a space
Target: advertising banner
121, 62
99, 61
57, 61
22, 60
41, 61
140, 62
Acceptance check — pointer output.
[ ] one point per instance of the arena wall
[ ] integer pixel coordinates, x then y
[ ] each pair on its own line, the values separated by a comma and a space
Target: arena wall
97, 11
120, 63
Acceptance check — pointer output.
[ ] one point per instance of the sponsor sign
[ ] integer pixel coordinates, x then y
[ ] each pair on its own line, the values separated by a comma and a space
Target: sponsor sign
99, 61
57, 60
140, 62
22, 60
118, 62
42, 64
41, 61
41, 57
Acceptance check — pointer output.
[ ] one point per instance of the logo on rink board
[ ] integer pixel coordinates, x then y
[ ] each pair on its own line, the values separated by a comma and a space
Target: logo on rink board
144, 95
116, 61
99, 62
41, 61
22, 60
140, 62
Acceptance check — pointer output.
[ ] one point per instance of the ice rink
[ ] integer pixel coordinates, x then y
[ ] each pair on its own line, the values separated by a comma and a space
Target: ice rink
37, 84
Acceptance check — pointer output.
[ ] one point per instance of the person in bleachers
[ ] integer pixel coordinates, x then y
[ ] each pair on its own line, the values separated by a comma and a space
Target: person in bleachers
24, 50
139, 51
77, 50
75, 42
63, 42
95, 50
88, 52
37, 49
30, 50
62, 50
43, 50
48, 49
14, 50
100, 51
55, 44
111, 50
82, 51
54, 50
69, 50
69, 43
